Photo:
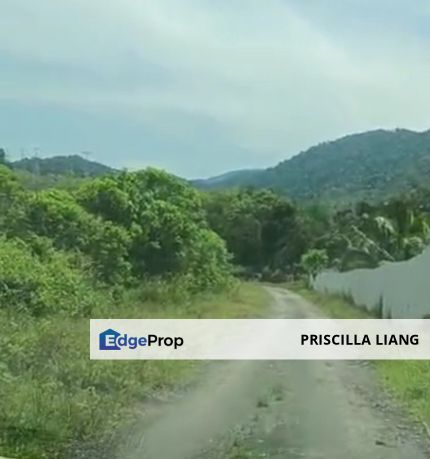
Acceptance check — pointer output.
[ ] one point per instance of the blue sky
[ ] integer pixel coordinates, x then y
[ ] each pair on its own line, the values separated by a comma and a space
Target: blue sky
200, 87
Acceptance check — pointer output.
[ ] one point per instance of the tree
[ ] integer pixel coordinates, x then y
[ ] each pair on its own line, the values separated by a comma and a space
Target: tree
367, 234
261, 228
11, 198
164, 220
314, 261
105, 198
56, 215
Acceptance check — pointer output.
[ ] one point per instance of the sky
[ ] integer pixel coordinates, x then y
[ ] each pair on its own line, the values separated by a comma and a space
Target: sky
200, 87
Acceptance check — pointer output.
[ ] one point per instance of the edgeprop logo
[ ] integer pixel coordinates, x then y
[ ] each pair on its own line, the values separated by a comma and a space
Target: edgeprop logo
111, 340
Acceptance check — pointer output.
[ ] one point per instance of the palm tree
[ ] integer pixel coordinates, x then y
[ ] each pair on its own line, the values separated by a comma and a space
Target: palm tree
396, 231
404, 232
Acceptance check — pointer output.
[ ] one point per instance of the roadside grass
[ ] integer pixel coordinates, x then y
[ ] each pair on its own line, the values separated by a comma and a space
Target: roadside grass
410, 383
244, 300
333, 305
247, 300
407, 380
56, 403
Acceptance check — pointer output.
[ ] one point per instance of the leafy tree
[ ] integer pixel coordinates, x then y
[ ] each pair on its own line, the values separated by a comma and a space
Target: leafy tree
39, 286
56, 215
9, 185
364, 236
11, 196
65, 256
314, 261
164, 219
261, 228
105, 198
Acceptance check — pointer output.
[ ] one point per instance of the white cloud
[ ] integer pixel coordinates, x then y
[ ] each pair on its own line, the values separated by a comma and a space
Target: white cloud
276, 75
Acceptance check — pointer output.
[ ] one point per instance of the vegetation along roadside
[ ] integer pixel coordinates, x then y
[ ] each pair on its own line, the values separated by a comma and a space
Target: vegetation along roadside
129, 245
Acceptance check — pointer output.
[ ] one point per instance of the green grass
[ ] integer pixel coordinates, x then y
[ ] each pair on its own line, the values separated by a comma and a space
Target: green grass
410, 382
244, 300
52, 397
407, 380
333, 305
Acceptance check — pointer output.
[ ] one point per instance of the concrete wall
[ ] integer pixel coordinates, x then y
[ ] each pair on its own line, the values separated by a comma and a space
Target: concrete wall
401, 290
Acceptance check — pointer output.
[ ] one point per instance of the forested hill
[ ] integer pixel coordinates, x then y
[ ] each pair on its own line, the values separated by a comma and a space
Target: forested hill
73, 165
367, 165
370, 165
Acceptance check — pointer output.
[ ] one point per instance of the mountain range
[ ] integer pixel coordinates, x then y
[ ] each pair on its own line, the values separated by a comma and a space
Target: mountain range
366, 165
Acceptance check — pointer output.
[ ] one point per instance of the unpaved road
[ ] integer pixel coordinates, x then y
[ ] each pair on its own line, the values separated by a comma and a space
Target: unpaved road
290, 410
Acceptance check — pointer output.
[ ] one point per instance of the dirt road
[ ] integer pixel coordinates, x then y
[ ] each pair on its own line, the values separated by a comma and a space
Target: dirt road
290, 410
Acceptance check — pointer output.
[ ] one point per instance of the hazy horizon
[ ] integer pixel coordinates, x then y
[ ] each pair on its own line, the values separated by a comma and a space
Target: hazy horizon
90, 157
200, 88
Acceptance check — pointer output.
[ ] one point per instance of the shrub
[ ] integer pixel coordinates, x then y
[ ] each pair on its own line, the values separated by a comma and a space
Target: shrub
40, 287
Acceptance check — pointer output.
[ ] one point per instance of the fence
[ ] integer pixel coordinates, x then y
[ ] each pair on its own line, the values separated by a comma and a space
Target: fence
399, 290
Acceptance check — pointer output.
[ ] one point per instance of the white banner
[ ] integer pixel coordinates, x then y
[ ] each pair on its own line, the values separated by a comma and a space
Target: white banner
260, 339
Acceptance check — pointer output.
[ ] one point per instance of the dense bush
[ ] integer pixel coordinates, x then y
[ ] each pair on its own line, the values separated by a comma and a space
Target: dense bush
42, 286
164, 220
54, 401
130, 226
261, 229
56, 215
67, 257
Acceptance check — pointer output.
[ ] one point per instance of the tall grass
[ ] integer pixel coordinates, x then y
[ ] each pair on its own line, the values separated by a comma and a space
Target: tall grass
56, 403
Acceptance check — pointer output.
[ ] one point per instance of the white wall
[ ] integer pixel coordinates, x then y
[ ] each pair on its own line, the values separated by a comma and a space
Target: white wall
403, 287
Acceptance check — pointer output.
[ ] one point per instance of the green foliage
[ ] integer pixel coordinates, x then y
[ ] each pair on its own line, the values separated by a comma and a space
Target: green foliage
11, 195
362, 237
73, 165
164, 220
54, 401
314, 261
103, 197
66, 257
35, 182
127, 197
370, 165
260, 228
125, 228
56, 215
9, 186
41, 285
129, 227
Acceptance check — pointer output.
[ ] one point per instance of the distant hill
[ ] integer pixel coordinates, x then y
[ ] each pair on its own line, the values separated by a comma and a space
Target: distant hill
73, 165
369, 165
366, 165
233, 178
